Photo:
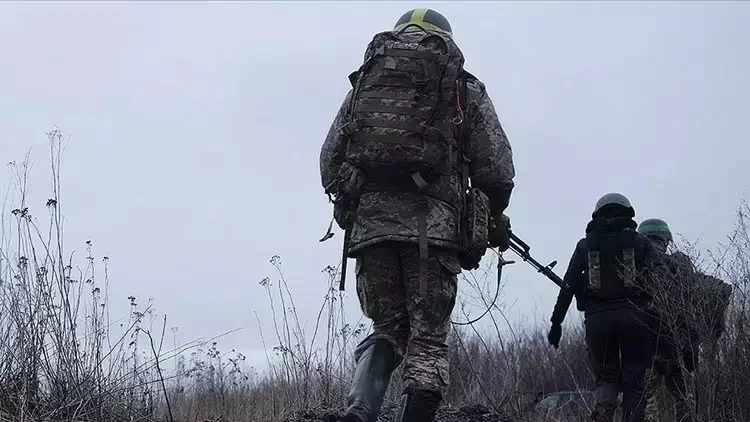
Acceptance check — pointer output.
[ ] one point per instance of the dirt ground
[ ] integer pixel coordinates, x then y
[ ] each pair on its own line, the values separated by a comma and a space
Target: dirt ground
388, 414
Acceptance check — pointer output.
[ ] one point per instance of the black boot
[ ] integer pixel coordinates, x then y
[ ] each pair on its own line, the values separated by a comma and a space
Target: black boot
419, 406
371, 379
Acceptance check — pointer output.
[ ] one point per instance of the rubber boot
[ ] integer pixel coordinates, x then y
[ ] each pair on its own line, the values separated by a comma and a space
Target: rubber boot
371, 379
419, 406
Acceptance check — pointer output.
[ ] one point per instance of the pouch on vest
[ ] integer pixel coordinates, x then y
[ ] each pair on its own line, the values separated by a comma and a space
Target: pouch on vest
611, 264
477, 229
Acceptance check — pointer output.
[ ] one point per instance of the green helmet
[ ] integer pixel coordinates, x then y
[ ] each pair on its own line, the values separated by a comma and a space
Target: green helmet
655, 227
427, 19
614, 199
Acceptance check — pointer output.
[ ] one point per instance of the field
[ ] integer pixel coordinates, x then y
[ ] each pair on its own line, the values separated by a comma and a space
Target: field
61, 358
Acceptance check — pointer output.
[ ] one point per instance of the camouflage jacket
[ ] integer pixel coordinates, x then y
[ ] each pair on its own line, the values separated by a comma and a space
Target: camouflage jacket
392, 216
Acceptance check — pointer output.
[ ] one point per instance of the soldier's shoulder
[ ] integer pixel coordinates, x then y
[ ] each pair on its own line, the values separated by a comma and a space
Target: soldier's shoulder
682, 258
679, 255
474, 85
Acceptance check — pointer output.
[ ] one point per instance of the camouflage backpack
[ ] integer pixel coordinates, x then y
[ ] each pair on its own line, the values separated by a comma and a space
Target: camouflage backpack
405, 109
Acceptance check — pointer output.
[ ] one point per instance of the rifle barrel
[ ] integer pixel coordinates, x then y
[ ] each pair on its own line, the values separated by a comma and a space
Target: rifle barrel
521, 249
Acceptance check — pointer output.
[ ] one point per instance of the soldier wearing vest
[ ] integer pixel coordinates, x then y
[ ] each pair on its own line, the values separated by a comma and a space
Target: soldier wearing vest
411, 133
690, 293
611, 273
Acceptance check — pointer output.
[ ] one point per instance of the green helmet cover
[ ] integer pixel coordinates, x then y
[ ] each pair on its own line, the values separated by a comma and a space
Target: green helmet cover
655, 227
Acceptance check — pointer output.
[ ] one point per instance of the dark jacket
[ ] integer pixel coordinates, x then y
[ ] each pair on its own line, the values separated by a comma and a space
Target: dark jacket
649, 263
695, 303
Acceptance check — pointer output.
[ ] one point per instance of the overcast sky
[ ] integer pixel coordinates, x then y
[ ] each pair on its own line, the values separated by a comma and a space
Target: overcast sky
195, 130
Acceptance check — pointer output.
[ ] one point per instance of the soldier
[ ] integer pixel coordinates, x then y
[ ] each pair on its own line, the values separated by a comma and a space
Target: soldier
412, 131
610, 274
683, 314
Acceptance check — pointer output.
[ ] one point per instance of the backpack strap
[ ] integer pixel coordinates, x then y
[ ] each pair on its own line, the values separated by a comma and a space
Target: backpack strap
463, 168
422, 209
463, 160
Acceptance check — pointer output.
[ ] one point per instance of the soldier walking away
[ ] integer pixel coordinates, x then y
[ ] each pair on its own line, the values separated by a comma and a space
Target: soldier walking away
681, 322
610, 274
411, 133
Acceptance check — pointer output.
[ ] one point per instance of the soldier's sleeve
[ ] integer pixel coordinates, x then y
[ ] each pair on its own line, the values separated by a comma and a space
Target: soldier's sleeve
719, 294
564, 299
684, 266
574, 280
656, 264
492, 169
331, 151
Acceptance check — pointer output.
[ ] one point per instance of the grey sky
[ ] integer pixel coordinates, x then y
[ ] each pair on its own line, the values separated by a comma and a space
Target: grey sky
196, 127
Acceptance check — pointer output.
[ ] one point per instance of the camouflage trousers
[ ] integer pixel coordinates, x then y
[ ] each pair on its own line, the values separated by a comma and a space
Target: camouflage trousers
668, 371
416, 326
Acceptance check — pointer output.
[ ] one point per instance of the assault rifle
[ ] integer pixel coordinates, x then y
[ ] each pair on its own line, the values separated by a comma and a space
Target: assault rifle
521, 249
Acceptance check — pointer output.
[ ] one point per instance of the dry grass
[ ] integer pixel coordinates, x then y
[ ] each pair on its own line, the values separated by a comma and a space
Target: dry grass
62, 358
717, 390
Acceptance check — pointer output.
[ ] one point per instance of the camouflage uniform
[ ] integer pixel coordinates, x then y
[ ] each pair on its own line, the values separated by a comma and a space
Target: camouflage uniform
391, 216
384, 239
699, 302
666, 366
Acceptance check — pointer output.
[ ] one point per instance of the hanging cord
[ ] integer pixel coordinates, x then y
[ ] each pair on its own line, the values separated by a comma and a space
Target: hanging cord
501, 262
459, 111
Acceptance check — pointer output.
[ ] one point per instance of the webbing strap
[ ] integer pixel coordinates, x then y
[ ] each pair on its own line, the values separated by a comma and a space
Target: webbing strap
396, 187
386, 139
463, 160
394, 124
389, 65
416, 54
425, 132
400, 82
377, 107
423, 249
345, 257
376, 88
399, 95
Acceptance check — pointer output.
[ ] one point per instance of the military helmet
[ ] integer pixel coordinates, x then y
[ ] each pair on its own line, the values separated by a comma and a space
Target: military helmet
613, 199
655, 227
427, 19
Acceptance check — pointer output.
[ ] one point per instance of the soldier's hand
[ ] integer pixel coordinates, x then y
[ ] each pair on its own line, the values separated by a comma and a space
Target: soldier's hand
555, 333
498, 235
470, 259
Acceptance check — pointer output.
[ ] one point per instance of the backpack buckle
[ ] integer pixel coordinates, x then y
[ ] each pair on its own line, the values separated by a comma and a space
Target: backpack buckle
351, 127
420, 81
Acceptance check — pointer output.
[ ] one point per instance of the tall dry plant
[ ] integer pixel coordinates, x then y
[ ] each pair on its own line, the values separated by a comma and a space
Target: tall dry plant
310, 369
61, 355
